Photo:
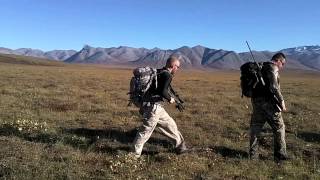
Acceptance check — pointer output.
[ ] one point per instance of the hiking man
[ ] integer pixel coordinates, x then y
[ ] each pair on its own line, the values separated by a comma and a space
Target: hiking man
154, 113
266, 110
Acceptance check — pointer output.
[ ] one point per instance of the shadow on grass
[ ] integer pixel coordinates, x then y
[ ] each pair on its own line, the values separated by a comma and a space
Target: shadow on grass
5, 171
309, 136
115, 149
230, 153
39, 137
102, 140
117, 139
114, 135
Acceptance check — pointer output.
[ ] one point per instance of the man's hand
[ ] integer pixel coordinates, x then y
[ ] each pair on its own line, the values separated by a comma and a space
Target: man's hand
172, 101
283, 105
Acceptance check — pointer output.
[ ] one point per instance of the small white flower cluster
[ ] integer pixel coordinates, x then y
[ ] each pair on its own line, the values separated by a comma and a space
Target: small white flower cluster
78, 140
30, 125
26, 124
125, 163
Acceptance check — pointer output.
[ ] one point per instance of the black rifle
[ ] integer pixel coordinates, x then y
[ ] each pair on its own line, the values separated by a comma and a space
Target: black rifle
178, 100
259, 77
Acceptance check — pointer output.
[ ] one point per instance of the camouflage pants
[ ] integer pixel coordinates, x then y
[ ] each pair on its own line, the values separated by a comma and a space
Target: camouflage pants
264, 111
156, 115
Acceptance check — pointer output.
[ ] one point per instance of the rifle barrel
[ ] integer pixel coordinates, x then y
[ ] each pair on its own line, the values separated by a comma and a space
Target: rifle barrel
260, 67
251, 52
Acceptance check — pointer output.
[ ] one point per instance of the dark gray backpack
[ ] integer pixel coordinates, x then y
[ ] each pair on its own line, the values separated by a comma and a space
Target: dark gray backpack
249, 80
140, 83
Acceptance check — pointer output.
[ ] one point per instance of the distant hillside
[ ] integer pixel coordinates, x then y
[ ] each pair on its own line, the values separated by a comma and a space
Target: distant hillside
118, 55
306, 55
195, 57
17, 59
59, 55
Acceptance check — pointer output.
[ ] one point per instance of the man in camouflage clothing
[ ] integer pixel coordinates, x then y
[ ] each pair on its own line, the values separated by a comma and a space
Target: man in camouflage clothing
267, 102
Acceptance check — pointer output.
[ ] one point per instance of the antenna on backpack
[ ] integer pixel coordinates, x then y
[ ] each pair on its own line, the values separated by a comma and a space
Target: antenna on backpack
251, 52
260, 67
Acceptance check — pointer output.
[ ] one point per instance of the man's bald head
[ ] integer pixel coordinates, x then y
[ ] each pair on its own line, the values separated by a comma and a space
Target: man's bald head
173, 64
171, 60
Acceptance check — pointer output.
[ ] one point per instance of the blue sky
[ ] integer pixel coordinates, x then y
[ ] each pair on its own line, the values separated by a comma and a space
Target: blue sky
167, 24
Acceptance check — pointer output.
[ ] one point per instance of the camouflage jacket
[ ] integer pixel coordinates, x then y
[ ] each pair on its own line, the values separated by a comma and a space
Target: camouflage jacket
270, 74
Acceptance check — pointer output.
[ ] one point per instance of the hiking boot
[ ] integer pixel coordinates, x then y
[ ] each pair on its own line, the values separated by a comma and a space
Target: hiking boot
181, 149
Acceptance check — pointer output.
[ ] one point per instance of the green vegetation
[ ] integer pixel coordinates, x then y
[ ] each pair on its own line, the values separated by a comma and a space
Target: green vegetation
72, 122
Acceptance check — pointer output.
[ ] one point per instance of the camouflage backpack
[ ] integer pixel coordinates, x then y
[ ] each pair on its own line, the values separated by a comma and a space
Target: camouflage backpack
249, 79
140, 83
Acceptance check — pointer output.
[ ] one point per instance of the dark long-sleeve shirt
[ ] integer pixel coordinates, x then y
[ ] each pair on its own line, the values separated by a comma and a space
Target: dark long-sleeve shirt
156, 94
164, 82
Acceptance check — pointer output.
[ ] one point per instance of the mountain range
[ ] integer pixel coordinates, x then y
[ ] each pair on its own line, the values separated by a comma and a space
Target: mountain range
59, 55
303, 57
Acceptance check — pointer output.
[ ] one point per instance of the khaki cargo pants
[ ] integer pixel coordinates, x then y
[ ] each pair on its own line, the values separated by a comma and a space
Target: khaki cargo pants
264, 111
155, 115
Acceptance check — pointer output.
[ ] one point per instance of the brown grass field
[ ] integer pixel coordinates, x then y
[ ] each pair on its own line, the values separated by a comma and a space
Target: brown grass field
60, 121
